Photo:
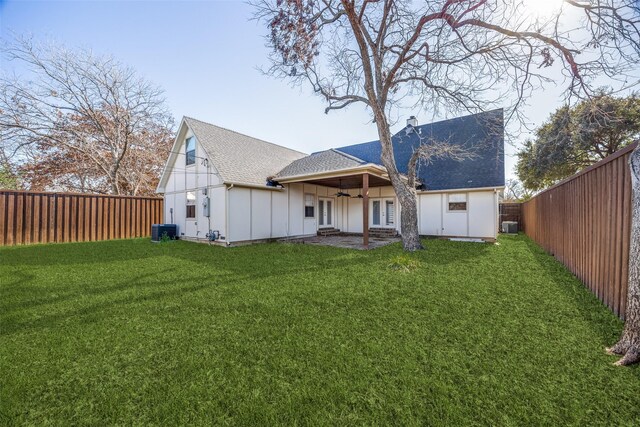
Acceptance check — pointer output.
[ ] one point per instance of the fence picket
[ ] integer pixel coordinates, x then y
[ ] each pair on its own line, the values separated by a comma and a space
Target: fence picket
42, 217
584, 222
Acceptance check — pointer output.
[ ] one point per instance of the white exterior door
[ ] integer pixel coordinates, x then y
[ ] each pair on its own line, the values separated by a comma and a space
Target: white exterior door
382, 213
325, 212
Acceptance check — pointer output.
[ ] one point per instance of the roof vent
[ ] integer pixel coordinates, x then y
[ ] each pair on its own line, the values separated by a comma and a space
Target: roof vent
412, 121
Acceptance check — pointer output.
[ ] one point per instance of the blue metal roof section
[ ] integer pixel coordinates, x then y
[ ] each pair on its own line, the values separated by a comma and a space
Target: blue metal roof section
481, 134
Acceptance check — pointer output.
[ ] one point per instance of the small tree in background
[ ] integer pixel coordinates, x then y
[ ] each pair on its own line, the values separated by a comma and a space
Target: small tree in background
8, 181
8, 178
80, 122
514, 191
576, 137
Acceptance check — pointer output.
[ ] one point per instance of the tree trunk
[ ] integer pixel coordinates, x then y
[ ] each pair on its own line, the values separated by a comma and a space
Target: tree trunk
408, 217
406, 194
115, 188
629, 344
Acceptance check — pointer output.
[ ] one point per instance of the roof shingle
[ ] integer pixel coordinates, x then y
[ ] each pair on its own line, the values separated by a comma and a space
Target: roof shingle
481, 134
323, 161
240, 158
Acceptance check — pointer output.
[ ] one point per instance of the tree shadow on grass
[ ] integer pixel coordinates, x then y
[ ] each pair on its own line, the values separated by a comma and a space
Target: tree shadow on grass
272, 265
444, 252
78, 253
21, 289
168, 288
212, 272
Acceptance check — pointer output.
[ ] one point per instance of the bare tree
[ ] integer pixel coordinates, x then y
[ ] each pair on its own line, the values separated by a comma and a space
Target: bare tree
456, 55
87, 121
516, 192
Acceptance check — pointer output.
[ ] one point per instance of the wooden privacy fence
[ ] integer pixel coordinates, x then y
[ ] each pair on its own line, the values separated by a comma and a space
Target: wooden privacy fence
510, 212
585, 223
40, 217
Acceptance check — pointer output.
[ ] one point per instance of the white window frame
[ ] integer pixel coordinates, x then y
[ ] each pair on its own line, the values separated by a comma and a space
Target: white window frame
466, 203
186, 155
191, 202
309, 197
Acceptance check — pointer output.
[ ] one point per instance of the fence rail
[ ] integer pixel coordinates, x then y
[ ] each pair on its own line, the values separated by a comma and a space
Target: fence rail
41, 217
585, 223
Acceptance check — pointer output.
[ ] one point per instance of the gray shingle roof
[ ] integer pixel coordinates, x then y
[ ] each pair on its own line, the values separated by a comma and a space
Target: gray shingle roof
323, 161
240, 158
481, 134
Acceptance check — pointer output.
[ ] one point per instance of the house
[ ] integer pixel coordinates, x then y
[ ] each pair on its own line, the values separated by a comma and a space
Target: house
251, 190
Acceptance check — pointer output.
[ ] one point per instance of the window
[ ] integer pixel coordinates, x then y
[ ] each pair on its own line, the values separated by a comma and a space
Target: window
190, 151
457, 202
191, 204
309, 206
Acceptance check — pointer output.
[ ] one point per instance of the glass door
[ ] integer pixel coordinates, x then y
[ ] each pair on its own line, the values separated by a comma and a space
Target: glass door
382, 213
376, 213
325, 213
390, 213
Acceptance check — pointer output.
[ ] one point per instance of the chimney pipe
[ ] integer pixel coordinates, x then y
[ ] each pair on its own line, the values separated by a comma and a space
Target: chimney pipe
412, 121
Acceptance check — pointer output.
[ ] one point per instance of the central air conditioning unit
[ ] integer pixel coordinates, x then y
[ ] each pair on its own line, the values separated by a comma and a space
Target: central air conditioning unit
158, 230
510, 227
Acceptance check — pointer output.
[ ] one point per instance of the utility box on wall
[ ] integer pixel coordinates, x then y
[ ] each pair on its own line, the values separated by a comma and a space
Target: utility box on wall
205, 207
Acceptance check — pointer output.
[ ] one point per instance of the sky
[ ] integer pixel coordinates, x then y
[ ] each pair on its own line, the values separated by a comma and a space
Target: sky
206, 56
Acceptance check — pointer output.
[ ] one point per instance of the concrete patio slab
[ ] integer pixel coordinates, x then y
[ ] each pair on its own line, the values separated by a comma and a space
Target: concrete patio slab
344, 241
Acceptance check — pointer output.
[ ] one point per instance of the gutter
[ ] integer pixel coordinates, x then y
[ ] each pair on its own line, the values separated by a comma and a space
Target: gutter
232, 184
459, 190
336, 173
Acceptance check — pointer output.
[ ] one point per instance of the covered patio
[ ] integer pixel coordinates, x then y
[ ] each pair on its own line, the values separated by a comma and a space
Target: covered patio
362, 178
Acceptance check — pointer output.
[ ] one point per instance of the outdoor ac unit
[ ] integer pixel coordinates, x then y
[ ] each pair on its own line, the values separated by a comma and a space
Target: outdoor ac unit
510, 227
158, 230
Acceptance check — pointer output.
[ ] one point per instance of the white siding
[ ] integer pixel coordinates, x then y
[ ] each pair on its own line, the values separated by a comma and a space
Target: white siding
430, 209
260, 214
387, 192
180, 213
296, 209
196, 177
483, 214
239, 219
279, 217
479, 220
310, 225
340, 209
354, 220
217, 210
454, 223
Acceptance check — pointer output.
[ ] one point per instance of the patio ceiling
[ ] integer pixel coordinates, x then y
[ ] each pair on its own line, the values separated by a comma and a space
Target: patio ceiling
349, 181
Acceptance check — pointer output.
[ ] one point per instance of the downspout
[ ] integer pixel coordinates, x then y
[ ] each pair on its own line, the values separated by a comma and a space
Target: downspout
226, 214
496, 225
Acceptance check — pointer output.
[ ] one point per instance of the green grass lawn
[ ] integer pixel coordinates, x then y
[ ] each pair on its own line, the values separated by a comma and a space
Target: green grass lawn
130, 332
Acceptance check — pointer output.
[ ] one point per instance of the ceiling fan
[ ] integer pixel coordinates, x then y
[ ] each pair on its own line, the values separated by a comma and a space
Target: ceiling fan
341, 193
